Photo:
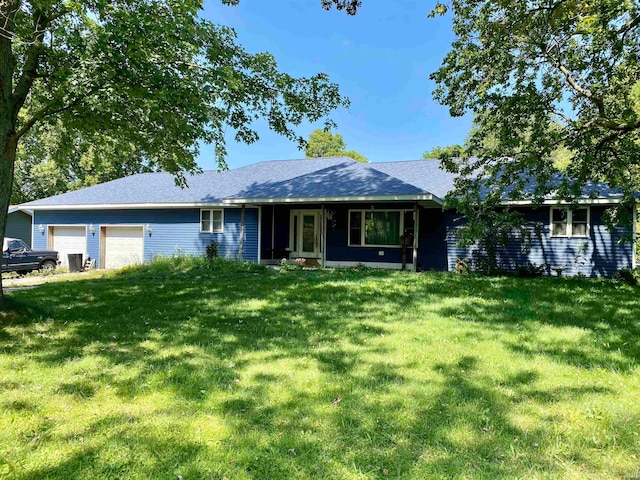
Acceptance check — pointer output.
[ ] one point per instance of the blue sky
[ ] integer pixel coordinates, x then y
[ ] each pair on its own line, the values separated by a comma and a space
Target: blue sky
381, 58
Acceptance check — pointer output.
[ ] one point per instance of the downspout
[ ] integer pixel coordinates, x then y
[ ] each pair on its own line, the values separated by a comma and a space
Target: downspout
273, 231
241, 242
416, 233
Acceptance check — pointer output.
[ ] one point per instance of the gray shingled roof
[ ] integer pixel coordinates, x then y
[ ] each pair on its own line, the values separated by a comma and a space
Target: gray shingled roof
209, 186
346, 179
424, 174
281, 179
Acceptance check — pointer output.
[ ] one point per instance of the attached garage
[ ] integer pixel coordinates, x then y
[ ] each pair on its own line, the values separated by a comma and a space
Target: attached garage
122, 246
66, 240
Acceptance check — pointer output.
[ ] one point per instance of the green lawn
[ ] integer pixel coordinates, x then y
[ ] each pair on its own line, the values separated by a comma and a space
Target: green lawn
179, 371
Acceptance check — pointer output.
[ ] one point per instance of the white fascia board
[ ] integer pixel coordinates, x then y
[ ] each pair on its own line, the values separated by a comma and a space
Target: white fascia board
128, 206
349, 198
20, 209
231, 202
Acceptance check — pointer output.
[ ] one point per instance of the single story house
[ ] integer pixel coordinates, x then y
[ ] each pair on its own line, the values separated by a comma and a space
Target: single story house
335, 211
19, 224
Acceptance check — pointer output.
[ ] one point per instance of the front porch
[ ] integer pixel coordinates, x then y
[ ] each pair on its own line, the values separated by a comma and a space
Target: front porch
381, 235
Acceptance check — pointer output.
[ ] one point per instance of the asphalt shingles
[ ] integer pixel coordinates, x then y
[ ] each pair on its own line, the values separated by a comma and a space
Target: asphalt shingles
304, 178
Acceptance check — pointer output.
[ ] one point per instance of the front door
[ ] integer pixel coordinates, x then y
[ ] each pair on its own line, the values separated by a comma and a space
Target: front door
305, 233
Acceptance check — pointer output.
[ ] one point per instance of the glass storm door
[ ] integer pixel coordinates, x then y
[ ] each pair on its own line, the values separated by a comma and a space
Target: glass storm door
305, 233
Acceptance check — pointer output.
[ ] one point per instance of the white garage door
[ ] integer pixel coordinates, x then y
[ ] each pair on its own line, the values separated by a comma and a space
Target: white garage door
123, 246
66, 240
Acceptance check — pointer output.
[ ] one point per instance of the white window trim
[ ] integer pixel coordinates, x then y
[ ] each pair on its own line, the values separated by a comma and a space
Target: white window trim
211, 210
362, 225
569, 223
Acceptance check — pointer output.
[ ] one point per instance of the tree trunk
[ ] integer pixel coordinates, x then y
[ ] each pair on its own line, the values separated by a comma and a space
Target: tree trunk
12, 99
8, 146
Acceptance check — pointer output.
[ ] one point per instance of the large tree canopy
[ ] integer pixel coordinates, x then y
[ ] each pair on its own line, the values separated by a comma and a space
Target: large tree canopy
53, 160
323, 143
147, 75
540, 77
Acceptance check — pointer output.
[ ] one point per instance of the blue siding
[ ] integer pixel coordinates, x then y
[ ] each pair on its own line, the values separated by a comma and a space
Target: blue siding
173, 231
178, 231
601, 254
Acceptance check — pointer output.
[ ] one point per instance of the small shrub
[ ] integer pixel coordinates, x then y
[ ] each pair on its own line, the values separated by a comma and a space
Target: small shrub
211, 252
286, 266
462, 266
361, 267
627, 275
297, 264
484, 266
532, 271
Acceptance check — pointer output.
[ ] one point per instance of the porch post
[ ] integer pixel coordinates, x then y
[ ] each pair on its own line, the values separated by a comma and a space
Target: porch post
416, 232
323, 237
241, 241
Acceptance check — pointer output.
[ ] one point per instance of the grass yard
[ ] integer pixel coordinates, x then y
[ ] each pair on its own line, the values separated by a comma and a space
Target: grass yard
177, 371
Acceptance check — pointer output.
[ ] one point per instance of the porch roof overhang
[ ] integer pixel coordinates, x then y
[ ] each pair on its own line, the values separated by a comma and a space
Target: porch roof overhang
335, 199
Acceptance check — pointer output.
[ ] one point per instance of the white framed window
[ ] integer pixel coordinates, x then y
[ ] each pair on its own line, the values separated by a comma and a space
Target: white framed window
570, 222
379, 228
211, 221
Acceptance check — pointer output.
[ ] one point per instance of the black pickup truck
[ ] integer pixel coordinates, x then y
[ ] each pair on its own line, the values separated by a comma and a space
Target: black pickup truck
18, 257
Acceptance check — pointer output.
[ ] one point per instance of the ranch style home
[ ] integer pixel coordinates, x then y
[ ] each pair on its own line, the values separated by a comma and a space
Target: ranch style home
330, 211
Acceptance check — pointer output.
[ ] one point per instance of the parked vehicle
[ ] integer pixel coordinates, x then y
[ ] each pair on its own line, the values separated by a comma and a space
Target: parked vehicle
18, 257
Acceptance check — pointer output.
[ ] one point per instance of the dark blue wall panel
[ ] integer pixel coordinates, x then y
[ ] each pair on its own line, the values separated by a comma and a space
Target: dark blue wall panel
338, 249
432, 239
19, 226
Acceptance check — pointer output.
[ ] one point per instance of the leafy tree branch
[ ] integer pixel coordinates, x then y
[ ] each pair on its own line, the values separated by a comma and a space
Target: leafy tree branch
544, 77
152, 74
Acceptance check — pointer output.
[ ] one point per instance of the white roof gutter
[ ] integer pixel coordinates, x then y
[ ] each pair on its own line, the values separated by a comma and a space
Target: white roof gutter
328, 199
231, 202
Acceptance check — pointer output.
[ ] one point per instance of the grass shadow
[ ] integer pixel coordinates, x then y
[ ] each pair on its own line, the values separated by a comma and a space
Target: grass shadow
314, 374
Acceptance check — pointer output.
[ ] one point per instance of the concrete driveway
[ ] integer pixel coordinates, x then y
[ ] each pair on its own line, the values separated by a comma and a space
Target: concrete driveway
28, 282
